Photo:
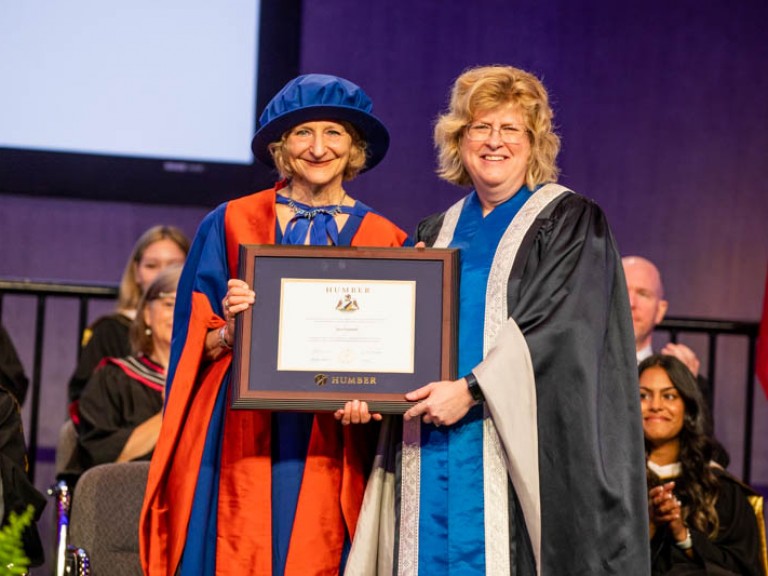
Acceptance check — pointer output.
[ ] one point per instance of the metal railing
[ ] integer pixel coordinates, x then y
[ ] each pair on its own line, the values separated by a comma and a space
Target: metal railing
85, 293
714, 330
42, 292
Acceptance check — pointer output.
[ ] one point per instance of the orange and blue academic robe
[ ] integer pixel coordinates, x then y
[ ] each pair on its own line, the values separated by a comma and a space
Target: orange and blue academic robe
210, 505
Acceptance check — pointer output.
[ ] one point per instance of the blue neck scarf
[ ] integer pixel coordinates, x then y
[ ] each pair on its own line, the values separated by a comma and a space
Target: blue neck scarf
319, 221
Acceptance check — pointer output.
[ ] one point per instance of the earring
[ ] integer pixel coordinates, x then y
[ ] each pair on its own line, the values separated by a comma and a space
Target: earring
148, 331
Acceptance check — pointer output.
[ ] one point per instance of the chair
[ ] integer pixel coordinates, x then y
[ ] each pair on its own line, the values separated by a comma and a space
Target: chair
67, 462
756, 500
104, 520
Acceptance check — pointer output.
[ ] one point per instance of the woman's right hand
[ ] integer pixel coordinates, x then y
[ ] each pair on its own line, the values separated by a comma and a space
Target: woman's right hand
239, 298
440, 403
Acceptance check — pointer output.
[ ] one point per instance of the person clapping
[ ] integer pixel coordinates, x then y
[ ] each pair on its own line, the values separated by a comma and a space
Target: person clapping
701, 521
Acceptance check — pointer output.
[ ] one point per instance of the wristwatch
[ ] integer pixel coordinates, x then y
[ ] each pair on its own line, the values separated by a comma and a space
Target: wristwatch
474, 388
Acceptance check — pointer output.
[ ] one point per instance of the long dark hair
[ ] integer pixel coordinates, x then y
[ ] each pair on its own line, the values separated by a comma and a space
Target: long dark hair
697, 487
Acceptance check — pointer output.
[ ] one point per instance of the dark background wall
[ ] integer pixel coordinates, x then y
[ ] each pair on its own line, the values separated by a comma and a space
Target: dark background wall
662, 109
663, 112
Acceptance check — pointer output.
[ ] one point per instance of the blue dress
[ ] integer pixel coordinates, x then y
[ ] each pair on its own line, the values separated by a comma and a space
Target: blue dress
454, 458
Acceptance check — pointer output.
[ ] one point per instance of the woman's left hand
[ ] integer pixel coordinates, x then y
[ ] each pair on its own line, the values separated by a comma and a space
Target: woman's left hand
440, 403
355, 412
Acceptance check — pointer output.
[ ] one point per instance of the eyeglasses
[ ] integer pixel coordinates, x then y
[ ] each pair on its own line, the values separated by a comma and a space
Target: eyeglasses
480, 132
166, 298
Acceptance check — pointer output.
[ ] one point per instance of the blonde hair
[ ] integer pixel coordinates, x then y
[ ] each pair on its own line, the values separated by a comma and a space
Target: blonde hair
487, 88
130, 291
357, 154
163, 285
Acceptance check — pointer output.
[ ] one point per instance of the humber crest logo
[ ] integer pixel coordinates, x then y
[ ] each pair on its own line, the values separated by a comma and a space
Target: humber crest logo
321, 379
347, 304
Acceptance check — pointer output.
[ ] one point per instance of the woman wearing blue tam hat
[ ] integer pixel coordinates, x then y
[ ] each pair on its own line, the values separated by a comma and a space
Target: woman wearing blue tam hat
250, 491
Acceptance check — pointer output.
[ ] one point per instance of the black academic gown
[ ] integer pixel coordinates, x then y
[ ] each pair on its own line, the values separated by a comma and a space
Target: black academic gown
12, 376
121, 395
567, 295
735, 549
16, 490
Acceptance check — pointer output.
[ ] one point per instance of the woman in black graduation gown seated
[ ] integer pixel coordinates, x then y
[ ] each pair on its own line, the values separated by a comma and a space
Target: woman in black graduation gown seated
121, 406
158, 248
16, 489
701, 521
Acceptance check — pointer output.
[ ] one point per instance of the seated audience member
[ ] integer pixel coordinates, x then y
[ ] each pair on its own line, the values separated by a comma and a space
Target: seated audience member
701, 521
646, 299
155, 250
121, 406
12, 376
16, 490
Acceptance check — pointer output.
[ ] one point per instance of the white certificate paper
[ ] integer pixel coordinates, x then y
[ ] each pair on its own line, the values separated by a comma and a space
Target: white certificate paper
347, 326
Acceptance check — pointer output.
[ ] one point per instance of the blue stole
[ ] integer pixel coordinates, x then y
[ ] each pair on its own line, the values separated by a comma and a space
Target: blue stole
451, 518
291, 431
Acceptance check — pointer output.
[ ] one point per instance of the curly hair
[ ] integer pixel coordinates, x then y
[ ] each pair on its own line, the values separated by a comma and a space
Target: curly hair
357, 154
697, 487
487, 88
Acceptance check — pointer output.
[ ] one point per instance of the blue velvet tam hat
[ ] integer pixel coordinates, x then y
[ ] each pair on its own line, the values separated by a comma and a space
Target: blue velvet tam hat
314, 97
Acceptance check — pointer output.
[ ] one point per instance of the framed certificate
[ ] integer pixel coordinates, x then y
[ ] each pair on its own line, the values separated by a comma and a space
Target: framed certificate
333, 324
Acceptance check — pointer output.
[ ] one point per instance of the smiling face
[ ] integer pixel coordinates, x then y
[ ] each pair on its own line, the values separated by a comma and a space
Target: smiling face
663, 408
158, 316
497, 168
318, 153
157, 257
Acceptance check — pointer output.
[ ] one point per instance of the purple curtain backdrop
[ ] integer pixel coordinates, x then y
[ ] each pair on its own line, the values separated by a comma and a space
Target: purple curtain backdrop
663, 111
